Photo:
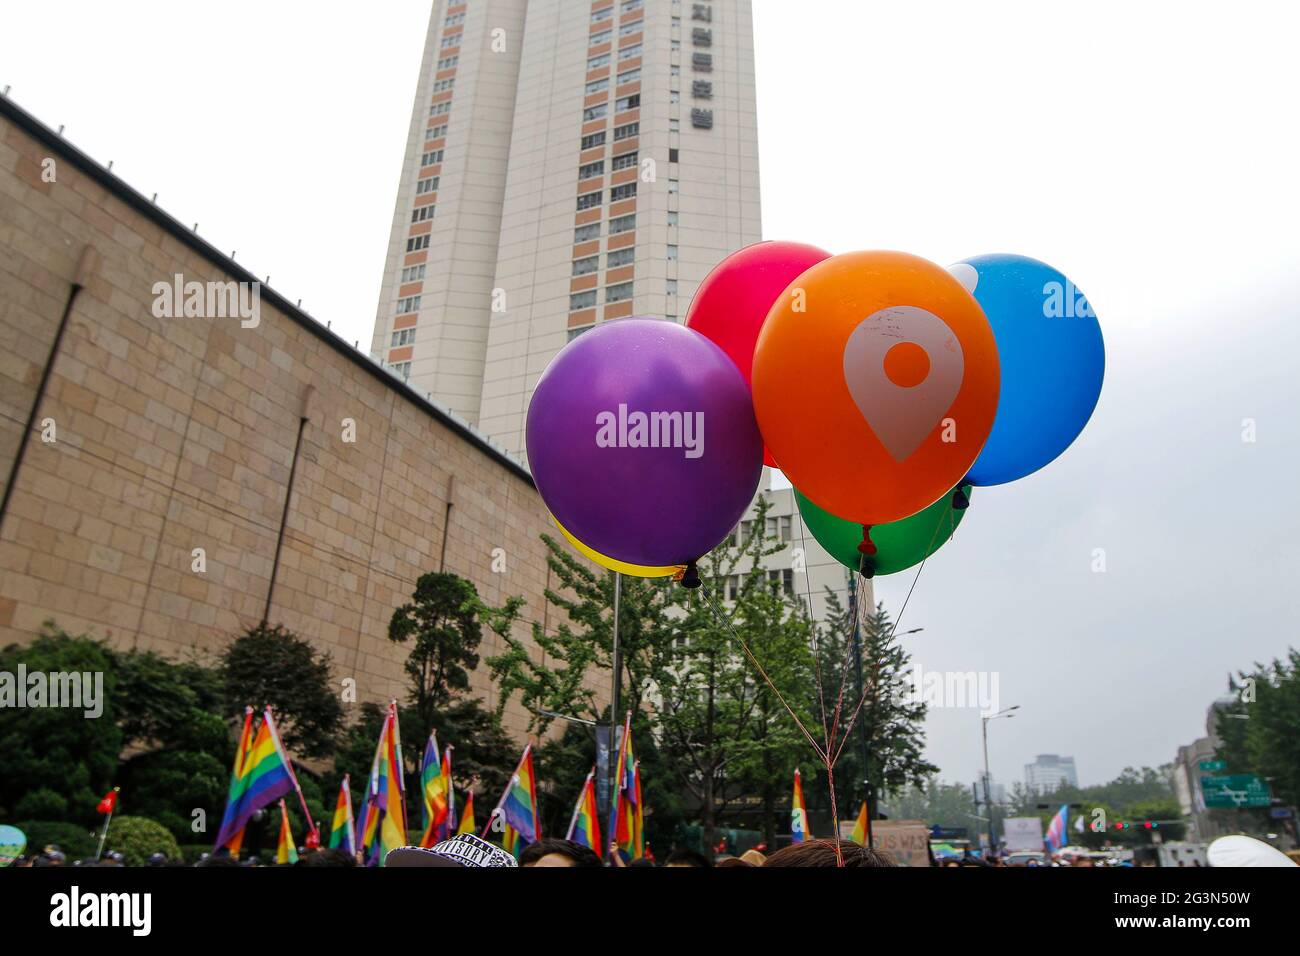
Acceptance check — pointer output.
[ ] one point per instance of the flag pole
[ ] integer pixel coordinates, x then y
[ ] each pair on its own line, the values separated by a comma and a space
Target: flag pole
104, 833
451, 795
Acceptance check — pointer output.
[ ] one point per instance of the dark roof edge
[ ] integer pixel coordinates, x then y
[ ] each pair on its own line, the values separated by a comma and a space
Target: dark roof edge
47, 137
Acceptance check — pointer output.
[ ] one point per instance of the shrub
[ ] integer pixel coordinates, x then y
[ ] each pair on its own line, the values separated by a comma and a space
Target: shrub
75, 841
138, 838
42, 804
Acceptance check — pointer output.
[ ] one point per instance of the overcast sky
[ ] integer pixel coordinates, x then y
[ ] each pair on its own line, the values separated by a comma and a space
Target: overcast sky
1147, 150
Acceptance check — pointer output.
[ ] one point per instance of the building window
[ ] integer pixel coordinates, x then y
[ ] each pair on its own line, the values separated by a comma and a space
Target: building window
674, 96
629, 52
620, 257
627, 131
441, 86
597, 61
403, 337
587, 233
674, 155
446, 63
455, 19
673, 187
622, 224
602, 14
582, 300
672, 217
627, 103
436, 132
625, 191
574, 333
672, 253
618, 293
594, 140
629, 76
625, 161
627, 29
592, 169
413, 273
432, 158
422, 213
416, 243
595, 112
409, 304
630, 5
589, 200
600, 37
670, 287
451, 41
782, 581
582, 267
597, 86
440, 109
427, 185
402, 370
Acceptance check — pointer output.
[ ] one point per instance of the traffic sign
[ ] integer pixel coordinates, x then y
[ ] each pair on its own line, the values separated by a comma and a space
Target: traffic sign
1235, 790
1211, 766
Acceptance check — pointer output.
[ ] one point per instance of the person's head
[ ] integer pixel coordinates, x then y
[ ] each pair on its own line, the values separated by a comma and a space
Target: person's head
223, 861
733, 861
688, 859
754, 857
822, 853
552, 851
643, 863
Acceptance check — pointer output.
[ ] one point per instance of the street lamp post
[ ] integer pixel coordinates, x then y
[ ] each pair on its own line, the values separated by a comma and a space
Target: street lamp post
988, 789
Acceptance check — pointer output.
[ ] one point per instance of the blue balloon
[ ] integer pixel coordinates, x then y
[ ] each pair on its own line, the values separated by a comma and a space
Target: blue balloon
1053, 362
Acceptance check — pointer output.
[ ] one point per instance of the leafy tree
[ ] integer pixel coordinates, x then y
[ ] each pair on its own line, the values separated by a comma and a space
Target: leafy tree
1267, 741
58, 750
138, 838
273, 666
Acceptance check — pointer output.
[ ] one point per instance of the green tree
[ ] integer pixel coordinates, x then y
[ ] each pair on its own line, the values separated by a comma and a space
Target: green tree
1261, 731
273, 666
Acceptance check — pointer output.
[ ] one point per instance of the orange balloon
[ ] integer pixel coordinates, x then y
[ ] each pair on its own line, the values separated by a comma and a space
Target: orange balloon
875, 384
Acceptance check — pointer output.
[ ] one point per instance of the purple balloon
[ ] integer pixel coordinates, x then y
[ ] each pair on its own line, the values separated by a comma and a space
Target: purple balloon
643, 443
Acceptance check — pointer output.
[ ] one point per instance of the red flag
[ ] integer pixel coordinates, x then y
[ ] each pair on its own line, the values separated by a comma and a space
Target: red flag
108, 803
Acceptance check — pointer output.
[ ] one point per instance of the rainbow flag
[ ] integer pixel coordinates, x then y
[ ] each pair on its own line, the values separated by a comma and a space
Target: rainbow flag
343, 831
435, 782
261, 777
628, 811
384, 828
285, 852
859, 834
467, 816
242, 750
518, 808
584, 829
1056, 830
799, 829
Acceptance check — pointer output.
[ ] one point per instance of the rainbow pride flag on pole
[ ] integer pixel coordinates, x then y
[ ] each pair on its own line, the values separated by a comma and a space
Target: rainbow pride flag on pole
262, 777
285, 852
517, 808
628, 812
435, 782
859, 834
242, 751
799, 829
467, 816
384, 828
584, 828
1056, 830
343, 831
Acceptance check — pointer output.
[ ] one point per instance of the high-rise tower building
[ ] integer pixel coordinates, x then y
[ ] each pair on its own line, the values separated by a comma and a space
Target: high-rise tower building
585, 160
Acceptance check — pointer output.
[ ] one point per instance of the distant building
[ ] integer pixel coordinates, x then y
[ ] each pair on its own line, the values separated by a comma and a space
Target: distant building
997, 792
1202, 825
1050, 772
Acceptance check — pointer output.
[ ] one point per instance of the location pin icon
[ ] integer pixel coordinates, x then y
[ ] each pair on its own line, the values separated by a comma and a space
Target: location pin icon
904, 368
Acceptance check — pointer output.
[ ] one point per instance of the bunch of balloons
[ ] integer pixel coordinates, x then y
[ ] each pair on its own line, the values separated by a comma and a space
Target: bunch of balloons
885, 387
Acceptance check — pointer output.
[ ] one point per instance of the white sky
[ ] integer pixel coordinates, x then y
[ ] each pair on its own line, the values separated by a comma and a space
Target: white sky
1149, 150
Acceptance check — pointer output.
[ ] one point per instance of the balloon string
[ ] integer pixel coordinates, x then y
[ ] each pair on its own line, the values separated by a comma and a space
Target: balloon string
893, 630
712, 602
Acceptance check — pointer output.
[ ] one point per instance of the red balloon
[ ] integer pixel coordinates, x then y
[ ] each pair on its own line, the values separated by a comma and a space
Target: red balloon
734, 299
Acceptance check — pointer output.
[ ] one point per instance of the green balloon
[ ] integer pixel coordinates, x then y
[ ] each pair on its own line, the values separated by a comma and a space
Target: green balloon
899, 544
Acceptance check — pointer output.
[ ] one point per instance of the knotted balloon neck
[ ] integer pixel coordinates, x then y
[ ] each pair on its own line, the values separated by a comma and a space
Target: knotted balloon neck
867, 546
959, 500
691, 577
